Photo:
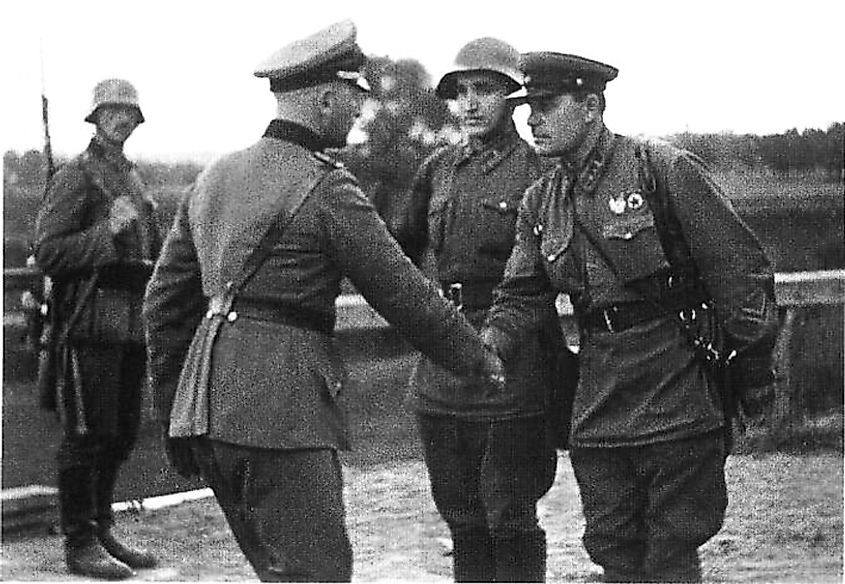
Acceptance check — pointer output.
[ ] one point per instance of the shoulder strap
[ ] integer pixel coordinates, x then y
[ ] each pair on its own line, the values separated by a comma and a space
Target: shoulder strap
271, 237
655, 190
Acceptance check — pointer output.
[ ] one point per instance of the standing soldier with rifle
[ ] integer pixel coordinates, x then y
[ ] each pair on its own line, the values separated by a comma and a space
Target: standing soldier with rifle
97, 239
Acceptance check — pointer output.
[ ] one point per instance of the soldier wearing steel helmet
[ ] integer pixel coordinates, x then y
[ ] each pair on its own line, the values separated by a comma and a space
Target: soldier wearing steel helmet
269, 421
488, 455
96, 237
674, 299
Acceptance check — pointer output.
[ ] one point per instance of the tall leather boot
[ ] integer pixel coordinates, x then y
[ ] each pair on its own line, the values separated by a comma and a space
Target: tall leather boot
673, 561
472, 557
104, 492
84, 555
521, 558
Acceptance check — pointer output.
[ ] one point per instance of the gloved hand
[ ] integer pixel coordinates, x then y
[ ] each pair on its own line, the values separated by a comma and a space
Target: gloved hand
180, 455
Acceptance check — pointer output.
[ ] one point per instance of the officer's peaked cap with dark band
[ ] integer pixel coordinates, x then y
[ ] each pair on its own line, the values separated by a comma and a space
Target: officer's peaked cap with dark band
327, 55
548, 74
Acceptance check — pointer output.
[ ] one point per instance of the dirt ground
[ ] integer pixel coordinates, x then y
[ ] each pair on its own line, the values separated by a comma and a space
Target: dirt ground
784, 524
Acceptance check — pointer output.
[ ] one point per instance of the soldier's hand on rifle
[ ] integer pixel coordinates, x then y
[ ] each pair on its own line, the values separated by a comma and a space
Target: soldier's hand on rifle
123, 213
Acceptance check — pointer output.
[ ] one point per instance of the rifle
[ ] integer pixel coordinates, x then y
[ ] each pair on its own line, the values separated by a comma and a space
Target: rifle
42, 321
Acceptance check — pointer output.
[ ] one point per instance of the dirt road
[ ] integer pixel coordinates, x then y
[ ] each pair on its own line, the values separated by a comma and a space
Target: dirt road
784, 525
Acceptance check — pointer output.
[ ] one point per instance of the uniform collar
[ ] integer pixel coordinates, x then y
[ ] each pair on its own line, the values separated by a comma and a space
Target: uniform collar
589, 162
296, 133
111, 154
492, 148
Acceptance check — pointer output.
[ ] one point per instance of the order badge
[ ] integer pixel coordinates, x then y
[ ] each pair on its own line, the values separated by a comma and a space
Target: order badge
635, 201
617, 204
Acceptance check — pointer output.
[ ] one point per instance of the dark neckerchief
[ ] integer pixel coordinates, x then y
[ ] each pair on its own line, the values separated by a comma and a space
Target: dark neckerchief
291, 132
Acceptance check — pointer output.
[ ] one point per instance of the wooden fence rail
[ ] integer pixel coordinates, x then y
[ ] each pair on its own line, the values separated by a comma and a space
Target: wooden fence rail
798, 294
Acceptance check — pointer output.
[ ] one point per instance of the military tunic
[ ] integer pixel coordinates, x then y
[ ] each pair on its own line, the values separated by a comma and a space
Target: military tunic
647, 445
73, 241
460, 226
643, 384
276, 380
487, 452
287, 398
102, 377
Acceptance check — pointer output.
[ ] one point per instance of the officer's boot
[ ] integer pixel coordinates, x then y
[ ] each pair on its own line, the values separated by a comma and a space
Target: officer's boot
472, 557
673, 561
84, 555
134, 558
521, 558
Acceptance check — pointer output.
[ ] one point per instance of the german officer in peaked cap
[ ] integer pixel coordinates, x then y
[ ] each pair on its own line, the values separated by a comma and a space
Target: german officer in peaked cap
674, 299
97, 237
263, 424
488, 456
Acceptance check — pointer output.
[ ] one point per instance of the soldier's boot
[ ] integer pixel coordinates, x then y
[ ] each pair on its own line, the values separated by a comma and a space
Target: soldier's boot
673, 561
84, 555
134, 558
521, 558
472, 557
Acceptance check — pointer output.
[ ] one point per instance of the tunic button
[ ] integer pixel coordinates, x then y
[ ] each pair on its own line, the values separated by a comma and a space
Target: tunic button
232, 316
551, 258
503, 205
628, 235
209, 314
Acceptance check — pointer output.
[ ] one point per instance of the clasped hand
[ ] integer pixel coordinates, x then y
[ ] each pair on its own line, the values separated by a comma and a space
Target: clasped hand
493, 369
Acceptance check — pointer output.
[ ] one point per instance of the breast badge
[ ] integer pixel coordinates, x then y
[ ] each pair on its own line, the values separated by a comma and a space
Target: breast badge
635, 201
617, 204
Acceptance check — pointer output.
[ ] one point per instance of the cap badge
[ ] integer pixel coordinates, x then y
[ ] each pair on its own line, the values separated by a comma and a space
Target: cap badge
617, 204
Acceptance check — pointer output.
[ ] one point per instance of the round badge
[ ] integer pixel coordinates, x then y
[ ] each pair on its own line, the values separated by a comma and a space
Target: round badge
635, 201
617, 204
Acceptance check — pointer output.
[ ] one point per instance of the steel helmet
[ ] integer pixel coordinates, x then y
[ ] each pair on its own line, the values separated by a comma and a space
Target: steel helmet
114, 92
484, 54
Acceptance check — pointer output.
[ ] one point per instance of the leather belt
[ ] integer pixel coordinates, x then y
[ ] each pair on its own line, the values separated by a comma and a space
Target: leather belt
619, 317
467, 296
282, 314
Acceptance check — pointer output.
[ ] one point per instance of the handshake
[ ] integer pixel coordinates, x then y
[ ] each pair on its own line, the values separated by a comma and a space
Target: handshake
492, 368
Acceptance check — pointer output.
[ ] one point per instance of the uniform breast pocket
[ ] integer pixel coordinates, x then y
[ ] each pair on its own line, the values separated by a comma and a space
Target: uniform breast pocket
633, 245
499, 221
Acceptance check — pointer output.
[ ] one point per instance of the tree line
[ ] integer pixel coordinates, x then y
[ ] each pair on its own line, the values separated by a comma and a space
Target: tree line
404, 122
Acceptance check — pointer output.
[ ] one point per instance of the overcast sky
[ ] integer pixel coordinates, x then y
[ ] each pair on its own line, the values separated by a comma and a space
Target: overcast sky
742, 66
